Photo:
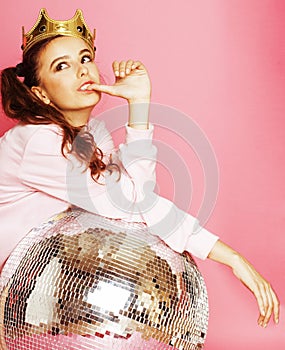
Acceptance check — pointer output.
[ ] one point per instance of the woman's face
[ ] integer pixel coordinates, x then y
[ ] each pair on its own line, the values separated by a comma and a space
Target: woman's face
66, 67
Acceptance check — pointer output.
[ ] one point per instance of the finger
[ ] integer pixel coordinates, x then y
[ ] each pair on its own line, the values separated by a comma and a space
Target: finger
122, 69
108, 89
129, 66
269, 309
137, 64
260, 301
276, 307
269, 302
116, 68
260, 320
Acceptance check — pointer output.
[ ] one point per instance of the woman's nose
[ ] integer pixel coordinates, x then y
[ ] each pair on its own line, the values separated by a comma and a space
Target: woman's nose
82, 70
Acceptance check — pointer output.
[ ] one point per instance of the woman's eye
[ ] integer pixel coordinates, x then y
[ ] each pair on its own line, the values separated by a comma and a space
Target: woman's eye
86, 59
61, 66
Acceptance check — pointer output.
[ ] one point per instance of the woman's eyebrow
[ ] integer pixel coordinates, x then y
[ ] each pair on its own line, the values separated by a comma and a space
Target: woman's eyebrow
65, 57
83, 51
59, 59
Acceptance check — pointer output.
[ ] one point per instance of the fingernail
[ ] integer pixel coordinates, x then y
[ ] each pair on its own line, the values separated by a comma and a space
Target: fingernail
122, 74
127, 70
116, 73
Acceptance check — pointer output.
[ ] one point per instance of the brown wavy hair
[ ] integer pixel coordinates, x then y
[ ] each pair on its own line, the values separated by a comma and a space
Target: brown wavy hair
20, 103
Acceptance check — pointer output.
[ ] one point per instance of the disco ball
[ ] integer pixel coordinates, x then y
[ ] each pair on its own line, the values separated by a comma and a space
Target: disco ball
82, 281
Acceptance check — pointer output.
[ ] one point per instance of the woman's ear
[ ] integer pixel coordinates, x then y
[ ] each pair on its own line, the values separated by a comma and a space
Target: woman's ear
40, 93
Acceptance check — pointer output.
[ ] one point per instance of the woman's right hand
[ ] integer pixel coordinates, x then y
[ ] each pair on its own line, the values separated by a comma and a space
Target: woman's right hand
131, 82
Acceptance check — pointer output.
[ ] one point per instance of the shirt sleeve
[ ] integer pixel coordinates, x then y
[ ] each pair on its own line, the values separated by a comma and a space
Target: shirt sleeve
180, 230
137, 155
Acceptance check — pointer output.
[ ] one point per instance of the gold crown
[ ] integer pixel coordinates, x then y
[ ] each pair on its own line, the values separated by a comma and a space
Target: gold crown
45, 27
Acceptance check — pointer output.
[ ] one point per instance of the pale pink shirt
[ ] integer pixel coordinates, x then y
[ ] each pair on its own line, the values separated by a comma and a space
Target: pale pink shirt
37, 181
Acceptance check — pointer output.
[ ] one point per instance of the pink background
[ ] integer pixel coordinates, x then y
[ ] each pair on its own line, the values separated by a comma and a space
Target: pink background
222, 62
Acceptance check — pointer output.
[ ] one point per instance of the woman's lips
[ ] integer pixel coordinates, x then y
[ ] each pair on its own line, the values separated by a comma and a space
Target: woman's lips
85, 86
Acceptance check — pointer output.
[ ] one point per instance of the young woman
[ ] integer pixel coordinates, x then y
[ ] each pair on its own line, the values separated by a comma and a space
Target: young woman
54, 157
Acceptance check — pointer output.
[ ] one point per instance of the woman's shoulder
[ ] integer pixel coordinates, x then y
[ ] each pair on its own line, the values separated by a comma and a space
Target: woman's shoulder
23, 136
26, 132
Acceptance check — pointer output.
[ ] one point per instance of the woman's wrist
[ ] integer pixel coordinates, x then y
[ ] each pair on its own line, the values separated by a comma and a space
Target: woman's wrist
139, 113
235, 261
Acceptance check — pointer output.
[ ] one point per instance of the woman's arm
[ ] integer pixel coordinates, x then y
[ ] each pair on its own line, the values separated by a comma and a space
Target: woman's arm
266, 298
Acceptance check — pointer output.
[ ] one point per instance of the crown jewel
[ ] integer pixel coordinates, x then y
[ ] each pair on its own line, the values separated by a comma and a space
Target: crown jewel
45, 27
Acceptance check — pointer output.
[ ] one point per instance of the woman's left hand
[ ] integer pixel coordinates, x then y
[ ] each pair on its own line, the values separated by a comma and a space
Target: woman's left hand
266, 298
131, 82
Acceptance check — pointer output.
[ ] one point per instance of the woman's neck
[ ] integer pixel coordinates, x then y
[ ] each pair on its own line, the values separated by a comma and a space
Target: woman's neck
78, 118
